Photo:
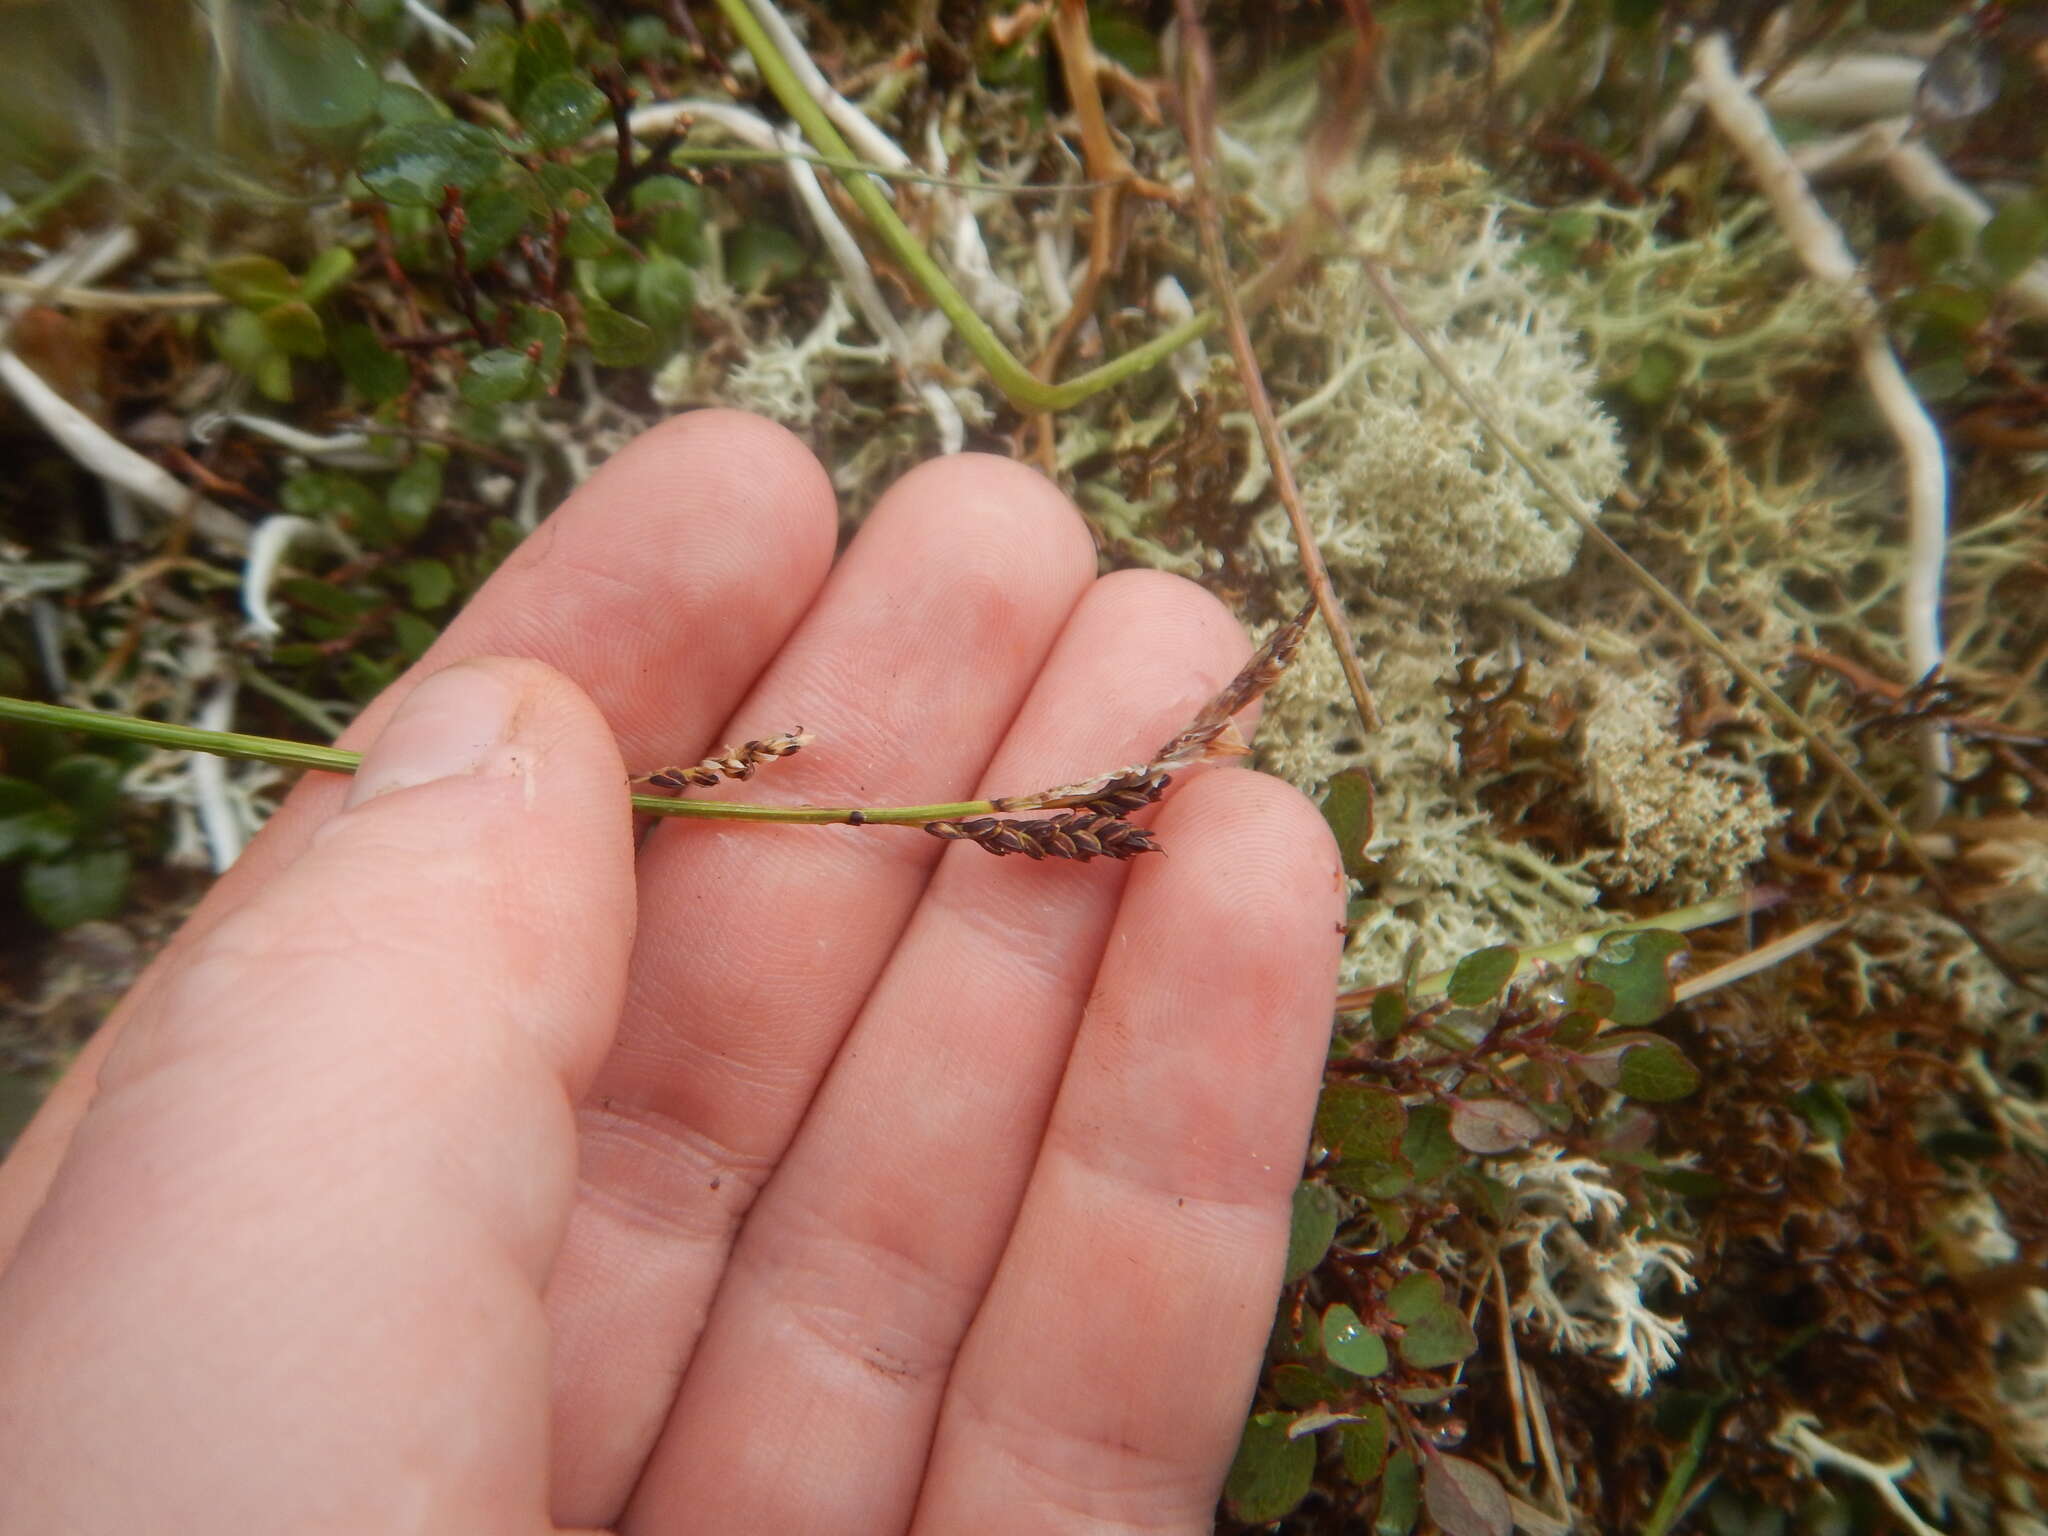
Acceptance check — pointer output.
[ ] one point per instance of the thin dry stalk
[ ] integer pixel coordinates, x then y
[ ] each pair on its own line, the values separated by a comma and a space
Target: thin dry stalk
1198, 117
726, 763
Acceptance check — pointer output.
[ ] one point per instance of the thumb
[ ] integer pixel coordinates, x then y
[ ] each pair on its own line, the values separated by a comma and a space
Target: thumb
332, 1154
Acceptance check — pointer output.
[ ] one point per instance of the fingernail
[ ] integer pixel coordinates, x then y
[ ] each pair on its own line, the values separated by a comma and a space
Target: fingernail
447, 727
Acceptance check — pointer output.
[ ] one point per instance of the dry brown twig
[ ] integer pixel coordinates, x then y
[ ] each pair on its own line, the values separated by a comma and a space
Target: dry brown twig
1198, 118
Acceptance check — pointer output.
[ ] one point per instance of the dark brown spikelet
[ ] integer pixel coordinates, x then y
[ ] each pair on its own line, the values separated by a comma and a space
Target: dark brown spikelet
1116, 795
1128, 792
1200, 739
726, 763
1076, 835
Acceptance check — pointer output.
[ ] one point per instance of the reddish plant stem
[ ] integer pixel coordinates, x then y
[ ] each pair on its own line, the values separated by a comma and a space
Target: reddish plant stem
1198, 119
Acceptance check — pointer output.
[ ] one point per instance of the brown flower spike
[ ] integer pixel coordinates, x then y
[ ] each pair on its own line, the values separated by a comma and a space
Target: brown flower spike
1077, 835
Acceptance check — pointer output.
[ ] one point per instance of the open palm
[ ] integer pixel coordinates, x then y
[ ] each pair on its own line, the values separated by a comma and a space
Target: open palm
858, 1184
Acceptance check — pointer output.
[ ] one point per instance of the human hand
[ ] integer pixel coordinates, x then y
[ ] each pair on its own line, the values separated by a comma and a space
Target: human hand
870, 1185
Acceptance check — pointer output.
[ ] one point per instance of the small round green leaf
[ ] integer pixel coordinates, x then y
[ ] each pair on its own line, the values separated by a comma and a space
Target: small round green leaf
1349, 1343
1400, 1497
1364, 1446
1415, 1296
1636, 968
1656, 1070
1659, 372
1427, 1144
664, 293
1314, 1224
759, 256
542, 53
1360, 1121
314, 78
560, 110
2014, 237
1438, 1338
372, 371
1303, 1386
429, 584
401, 103
326, 272
1347, 807
498, 375
62, 893
1822, 1106
255, 282
415, 491
531, 324
1271, 1472
413, 634
294, 329
415, 163
38, 834
88, 783
1480, 976
497, 215
616, 340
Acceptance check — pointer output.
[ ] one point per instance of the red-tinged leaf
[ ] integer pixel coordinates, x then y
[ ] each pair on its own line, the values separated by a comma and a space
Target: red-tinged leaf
1361, 1122
1465, 1499
1493, 1125
1656, 1071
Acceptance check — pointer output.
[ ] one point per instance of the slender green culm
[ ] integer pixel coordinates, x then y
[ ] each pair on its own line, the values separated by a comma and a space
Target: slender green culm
1025, 389
299, 754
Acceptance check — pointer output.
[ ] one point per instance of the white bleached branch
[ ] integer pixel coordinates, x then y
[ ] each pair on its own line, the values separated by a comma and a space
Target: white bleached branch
1820, 246
1798, 1435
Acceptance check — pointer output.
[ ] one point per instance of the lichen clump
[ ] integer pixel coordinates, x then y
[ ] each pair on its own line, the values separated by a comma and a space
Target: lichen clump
1405, 488
1682, 817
